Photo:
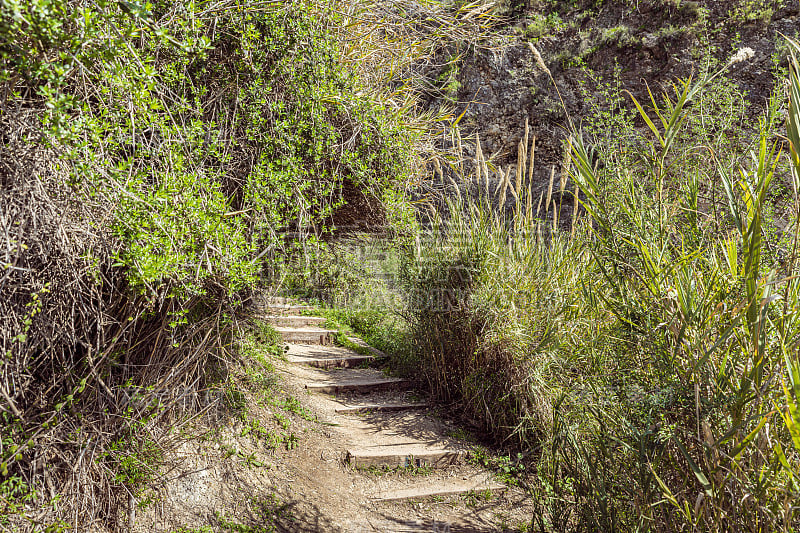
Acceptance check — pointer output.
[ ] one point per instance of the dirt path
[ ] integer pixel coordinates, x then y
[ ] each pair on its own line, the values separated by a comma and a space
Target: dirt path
337, 449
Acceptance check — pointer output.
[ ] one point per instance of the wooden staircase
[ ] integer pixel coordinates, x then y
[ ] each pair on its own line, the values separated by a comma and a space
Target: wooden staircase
386, 424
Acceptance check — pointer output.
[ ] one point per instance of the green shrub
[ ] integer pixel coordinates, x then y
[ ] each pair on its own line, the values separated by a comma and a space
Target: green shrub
157, 158
217, 134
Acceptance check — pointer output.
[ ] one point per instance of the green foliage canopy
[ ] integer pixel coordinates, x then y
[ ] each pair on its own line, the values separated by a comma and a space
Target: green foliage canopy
207, 129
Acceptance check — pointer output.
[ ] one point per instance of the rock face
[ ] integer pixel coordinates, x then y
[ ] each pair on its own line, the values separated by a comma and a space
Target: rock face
506, 86
585, 44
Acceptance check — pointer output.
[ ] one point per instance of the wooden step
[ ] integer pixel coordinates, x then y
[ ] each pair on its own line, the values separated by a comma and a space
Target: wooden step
349, 361
363, 408
403, 456
285, 310
357, 385
280, 300
294, 321
306, 335
325, 356
440, 489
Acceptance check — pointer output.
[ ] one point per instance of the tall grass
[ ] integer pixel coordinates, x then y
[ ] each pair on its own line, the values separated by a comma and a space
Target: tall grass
476, 286
647, 361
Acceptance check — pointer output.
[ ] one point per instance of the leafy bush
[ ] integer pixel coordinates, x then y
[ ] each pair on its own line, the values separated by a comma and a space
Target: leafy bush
157, 158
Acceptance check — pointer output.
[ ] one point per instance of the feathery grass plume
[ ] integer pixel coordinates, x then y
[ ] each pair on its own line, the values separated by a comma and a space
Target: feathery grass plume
523, 159
455, 186
485, 171
531, 159
517, 205
508, 183
538, 58
520, 165
550, 188
539, 205
555, 215
743, 54
505, 179
500, 182
437, 169
528, 204
486, 174
433, 213
527, 136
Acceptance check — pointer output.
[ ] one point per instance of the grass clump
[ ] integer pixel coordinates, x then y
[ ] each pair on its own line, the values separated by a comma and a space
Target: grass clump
469, 281
540, 26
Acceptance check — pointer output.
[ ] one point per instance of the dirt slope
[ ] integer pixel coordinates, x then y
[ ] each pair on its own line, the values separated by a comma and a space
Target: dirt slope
278, 461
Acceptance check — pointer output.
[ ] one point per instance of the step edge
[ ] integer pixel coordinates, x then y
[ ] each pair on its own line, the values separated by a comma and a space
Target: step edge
422, 453
380, 407
356, 384
299, 359
289, 329
294, 317
397, 495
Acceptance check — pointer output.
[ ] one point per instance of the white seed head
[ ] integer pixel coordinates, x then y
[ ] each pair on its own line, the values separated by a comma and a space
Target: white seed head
742, 55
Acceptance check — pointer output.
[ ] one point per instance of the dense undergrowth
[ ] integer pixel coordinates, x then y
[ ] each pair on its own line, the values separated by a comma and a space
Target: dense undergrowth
158, 161
644, 358
646, 361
